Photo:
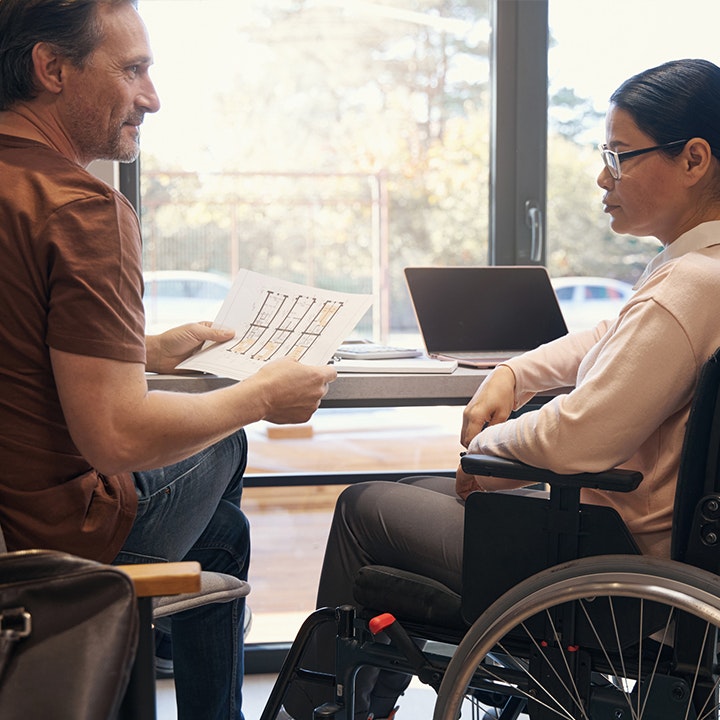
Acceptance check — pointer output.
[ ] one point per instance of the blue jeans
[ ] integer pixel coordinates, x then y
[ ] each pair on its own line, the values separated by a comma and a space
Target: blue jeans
191, 511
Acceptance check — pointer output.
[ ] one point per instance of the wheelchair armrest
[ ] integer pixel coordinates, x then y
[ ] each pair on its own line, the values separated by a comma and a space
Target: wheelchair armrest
614, 479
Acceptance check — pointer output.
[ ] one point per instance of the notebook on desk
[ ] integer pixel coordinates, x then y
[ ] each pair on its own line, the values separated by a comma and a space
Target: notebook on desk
482, 316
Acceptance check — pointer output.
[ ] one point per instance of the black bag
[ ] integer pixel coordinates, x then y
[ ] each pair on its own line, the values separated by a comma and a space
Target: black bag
68, 635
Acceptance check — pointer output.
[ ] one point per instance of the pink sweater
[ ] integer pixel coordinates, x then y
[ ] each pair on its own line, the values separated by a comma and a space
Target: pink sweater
634, 380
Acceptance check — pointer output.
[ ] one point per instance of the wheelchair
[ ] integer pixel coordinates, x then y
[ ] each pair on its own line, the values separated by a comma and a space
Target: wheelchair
561, 618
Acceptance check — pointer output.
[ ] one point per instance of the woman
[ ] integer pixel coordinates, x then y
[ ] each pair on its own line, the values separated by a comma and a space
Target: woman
634, 376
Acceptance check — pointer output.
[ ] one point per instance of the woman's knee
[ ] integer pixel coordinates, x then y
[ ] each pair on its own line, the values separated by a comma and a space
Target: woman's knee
366, 509
376, 495
361, 498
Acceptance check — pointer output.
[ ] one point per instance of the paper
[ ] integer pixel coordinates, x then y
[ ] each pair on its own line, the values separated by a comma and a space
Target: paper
404, 365
274, 319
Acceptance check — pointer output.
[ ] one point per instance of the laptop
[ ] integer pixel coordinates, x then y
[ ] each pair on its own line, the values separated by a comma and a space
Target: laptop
482, 316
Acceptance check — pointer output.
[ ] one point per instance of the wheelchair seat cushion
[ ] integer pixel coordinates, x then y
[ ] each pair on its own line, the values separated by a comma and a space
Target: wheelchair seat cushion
409, 597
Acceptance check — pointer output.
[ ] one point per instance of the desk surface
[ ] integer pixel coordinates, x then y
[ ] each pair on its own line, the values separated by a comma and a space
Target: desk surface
359, 389
363, 390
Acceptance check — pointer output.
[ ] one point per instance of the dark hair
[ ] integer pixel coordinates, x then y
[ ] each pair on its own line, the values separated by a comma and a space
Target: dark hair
675, 101
69, 26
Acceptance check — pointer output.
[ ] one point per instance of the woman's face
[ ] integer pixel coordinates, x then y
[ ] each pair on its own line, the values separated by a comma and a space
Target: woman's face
646, 200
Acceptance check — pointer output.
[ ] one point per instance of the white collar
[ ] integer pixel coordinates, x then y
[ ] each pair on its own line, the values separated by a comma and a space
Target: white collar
699, 237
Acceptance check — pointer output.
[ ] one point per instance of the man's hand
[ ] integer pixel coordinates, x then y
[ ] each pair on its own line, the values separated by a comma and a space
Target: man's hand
293, 391
165, 351
492, 403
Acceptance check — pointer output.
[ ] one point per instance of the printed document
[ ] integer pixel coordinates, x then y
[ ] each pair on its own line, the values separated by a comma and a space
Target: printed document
274, 319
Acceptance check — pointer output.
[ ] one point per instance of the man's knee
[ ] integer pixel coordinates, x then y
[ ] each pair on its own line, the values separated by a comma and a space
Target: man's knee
227, 461
225, 544
237, 529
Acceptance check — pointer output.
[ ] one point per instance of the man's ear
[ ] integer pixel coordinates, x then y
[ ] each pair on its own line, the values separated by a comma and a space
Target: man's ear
48, 66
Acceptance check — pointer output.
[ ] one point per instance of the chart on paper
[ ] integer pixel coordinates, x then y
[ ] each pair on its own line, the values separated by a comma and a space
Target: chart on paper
274, 319
286, 326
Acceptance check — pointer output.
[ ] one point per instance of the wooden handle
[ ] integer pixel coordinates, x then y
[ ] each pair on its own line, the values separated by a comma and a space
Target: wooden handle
155, 579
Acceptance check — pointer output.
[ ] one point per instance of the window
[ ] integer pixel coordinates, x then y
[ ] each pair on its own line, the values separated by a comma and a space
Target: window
335, 142
331, 143
173, 296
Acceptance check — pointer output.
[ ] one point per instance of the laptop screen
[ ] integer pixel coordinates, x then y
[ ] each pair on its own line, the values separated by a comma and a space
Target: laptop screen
484, 309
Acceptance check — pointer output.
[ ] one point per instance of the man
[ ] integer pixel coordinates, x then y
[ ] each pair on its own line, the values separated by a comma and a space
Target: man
82, 437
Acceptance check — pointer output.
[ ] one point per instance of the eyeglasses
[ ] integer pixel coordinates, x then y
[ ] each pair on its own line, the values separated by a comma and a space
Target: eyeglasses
612, 159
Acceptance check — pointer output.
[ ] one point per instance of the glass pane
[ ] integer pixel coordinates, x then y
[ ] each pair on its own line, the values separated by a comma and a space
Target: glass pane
332, 143
592, 51
329, 143
290, 524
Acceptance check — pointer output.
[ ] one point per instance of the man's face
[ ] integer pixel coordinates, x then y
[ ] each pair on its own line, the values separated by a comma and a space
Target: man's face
103, 104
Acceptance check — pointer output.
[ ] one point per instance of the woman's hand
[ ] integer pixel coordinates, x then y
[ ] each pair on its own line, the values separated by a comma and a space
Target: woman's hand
492, 403
465, 483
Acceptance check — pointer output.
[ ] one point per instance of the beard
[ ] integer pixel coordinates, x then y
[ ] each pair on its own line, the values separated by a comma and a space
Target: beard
122, 149
97, 137
115, 145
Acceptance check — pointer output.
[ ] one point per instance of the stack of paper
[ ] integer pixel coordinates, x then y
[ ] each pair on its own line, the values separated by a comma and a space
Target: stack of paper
404, 365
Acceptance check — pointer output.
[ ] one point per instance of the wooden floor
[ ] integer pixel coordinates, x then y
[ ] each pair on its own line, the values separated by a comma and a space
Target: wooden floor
290, 524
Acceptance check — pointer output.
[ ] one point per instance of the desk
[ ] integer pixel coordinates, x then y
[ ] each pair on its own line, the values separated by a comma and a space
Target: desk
354, 390
357, 390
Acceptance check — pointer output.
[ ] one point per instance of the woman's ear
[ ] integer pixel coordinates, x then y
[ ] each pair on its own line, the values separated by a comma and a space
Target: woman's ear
48, 66
696, 156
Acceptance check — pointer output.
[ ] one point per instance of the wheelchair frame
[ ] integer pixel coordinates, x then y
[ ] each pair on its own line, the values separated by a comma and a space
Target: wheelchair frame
531, 644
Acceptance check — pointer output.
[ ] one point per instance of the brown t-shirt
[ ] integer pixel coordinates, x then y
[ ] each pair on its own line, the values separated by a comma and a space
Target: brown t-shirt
70, 279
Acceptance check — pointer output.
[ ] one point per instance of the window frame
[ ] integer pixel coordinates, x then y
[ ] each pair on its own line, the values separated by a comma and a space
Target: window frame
518, 148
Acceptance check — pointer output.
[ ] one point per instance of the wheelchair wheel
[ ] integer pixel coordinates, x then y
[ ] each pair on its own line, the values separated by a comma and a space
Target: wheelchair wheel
601, 638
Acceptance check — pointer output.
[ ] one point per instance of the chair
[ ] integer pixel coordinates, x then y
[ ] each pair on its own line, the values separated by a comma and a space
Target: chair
581, 627
163, 589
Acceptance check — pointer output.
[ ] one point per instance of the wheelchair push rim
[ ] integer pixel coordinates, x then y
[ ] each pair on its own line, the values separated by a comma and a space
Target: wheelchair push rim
663, 582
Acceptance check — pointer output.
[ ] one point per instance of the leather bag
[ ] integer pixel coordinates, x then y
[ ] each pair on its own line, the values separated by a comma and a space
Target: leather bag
68, 635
